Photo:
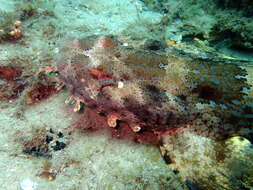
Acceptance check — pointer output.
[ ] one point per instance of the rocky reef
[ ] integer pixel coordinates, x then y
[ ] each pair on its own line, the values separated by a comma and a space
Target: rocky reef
220, 23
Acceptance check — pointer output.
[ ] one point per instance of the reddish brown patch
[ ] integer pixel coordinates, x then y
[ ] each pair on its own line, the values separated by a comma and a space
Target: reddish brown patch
171, 131
47, 172
103, 87
125, 77
50, 176
123, 131
91, 121
37, 144
10, 72
40, 92
13, 84
98, 73
107, 42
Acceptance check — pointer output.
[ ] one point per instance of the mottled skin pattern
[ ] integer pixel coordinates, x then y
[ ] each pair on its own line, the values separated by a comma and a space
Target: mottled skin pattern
147, 91
101, 73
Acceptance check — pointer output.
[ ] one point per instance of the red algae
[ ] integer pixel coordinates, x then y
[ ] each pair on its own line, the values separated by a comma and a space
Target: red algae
41, 92
99, 74
125, 132
10, 72
12, 82
120, 131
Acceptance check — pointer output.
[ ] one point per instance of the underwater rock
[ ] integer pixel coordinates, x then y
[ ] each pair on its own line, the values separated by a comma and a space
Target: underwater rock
225, 23
214, 165
240, 4
237, 30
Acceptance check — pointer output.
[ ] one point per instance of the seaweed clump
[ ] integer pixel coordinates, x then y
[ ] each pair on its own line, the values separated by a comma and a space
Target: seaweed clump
43, 88
12, 82
28, 10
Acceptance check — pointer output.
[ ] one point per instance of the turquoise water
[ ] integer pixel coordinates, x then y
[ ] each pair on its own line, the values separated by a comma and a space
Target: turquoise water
126, 95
